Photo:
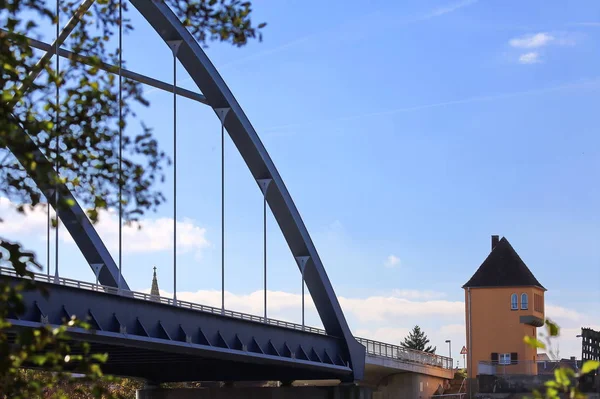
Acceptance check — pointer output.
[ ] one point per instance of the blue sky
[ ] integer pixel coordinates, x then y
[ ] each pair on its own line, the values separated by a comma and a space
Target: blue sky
407, 134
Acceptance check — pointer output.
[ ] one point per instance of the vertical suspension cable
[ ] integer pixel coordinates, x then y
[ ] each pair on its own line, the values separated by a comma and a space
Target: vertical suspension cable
174, 175
57, 141
48, 237
264, 185
120, 144
303, 268
222, 213
302, 262
265, 247
222, 113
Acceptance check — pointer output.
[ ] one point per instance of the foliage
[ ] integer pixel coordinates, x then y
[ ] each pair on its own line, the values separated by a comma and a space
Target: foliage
460, 374
75, 388
418, 340
45, 347
226, 20
79, 135
63, 125
564, 383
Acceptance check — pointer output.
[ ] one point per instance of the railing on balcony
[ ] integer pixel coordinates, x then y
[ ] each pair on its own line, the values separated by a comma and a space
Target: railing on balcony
518, 367
374, 348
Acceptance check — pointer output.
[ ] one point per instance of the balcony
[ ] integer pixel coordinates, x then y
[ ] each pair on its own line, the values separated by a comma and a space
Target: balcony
521, 367
531, 320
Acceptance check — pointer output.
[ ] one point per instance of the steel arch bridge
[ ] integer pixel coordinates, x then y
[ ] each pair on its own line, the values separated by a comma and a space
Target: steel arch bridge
167, 341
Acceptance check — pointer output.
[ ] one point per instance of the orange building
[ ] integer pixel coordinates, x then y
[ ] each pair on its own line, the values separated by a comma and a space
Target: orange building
504, 302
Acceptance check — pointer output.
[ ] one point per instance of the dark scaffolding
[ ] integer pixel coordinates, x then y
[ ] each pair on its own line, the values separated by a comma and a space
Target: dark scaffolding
590, 344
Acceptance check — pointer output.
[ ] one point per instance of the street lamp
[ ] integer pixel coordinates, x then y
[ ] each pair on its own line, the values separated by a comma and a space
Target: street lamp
579, 336
449, 342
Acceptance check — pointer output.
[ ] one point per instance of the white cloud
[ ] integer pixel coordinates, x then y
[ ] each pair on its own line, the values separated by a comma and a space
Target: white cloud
418, 294
392, 309
278, 301
392, 335
567, 344
389, 319
530, 58
532, 41
450, 8
559, 312
155, 235
392, 261
375, 308
18, 223
538, 41
454, 329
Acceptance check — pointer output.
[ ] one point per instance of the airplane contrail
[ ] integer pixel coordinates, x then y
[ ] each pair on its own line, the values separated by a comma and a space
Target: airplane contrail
591, 83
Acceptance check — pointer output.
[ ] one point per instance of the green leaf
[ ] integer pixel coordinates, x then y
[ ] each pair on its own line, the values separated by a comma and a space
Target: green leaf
563, 377
100, 357
552, 328
534, 343
38, 360
590, 366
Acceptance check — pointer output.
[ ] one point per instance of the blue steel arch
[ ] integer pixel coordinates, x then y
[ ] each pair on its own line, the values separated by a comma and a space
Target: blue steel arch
258, 161
245, 138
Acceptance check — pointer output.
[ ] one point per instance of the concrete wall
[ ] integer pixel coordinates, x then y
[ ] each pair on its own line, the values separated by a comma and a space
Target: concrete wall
336, 392
378, 367
409, 386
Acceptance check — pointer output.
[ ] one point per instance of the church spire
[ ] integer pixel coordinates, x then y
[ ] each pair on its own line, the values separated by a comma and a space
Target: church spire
154, 290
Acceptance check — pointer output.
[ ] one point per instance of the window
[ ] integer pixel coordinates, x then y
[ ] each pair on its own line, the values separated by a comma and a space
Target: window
504, 358
514, 302
538, 303
524, 301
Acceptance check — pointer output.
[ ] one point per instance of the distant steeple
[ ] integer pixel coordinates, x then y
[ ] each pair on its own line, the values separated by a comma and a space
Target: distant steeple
154, 290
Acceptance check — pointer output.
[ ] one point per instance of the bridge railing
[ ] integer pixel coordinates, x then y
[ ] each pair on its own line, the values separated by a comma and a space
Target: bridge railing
67, 282
375, 348
397, 352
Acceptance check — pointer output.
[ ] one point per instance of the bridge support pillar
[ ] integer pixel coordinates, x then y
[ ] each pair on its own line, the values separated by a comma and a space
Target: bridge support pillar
331, 392
410, 385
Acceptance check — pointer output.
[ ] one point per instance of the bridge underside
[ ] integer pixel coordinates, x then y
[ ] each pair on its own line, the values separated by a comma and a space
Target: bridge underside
166, 343
378, 368
161, 366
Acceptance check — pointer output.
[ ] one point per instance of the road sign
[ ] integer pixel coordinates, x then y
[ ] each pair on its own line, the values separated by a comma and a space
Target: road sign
463, 351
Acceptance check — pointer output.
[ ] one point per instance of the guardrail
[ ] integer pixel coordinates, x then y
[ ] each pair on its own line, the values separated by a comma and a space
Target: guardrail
374, 348
520, 367
67, 282
382, 349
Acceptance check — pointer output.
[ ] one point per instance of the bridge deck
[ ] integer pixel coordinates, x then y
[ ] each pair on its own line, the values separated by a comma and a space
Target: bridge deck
379, 354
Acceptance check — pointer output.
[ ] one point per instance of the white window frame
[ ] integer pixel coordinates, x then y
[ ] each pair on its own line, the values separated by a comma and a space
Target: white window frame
504, 359
526, 302
514, 302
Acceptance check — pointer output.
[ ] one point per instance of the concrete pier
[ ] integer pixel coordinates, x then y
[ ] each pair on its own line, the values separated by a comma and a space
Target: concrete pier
288, 392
